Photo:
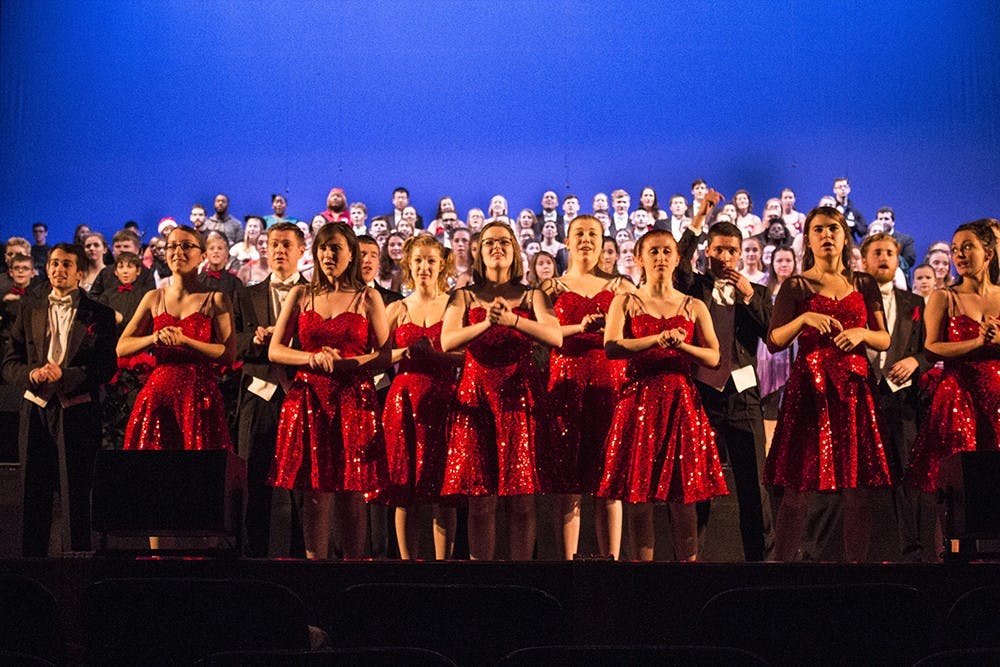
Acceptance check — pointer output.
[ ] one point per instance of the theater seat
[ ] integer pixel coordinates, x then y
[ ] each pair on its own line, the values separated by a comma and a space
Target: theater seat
178, 621
471, 624
29, 620
344, 657
864, 624
633, 656
974, 620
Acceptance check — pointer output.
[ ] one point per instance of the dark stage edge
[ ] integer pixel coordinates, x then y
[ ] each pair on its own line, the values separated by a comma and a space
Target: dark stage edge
607, 602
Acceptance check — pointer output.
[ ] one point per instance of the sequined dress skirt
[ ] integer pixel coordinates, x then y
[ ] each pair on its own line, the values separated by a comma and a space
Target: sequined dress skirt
499, 424
964, 416
329, 436
583, 388
179, 408
660, 446
415, 424
828, 435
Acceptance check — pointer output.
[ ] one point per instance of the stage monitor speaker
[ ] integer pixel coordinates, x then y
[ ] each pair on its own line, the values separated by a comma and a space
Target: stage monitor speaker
169, 493
969, 487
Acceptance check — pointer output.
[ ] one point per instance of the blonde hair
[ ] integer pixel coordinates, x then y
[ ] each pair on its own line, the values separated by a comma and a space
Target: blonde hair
411, 245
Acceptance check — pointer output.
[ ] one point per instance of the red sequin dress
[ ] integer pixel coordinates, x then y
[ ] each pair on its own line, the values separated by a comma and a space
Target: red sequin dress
965, 411
827, 436
583, 386
660, 446
180, 406
415, 419
500, 422
329, 433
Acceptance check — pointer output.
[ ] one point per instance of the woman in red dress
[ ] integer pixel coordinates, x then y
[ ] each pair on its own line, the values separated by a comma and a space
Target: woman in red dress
421, 396
501, 420
827, 438
963, 329
583, 386
190, 332
660, 446
329, 433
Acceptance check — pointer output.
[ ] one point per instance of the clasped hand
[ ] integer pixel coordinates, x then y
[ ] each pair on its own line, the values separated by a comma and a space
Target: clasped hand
324, 359
592, 322
169, 336
500, 313
419, 348
50, 372
671, 337
989, 330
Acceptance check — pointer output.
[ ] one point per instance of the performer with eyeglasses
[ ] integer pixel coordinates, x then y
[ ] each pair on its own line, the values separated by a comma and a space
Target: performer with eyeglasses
501, 421
189, 329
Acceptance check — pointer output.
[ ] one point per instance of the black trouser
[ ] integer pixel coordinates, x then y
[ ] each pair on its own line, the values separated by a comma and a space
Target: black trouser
739, 430
258, 432
57, 449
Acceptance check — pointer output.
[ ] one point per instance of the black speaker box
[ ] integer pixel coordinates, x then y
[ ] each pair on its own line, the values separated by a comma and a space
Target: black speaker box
163, 493
969, 491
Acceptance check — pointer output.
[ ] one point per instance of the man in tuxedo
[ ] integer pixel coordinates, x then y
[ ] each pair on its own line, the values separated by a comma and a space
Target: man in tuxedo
856, 221
60, 351
896, 372
907, 248
741, 313
571, 209
550, 212
400, 200
264, 383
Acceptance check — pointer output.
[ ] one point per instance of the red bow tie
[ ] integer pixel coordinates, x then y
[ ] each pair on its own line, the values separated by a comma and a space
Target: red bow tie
213, 274
20, 291
125, 288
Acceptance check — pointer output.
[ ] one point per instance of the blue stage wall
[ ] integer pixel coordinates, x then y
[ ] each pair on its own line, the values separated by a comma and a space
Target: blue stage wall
119, 110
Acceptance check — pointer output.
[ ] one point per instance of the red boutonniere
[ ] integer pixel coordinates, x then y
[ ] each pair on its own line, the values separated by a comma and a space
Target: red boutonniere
916, 314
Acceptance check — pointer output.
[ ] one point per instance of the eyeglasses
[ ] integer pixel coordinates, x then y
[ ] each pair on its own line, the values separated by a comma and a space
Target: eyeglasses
503, 243
185, 246
21, 268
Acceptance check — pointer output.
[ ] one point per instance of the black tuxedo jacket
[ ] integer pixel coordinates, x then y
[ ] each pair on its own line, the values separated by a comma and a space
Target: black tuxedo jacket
253, 308
90, 359
908, 332
907, 250
749, 324
388, 296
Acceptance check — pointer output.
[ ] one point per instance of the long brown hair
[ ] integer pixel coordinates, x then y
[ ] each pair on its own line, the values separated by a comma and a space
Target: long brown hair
645, 238
351, 277
516, 268
809, 260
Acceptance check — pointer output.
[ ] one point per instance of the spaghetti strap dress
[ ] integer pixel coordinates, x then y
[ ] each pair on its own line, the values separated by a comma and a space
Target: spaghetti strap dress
415, 418
964, 414
180, 407
329, 432
828, 436
660, 446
